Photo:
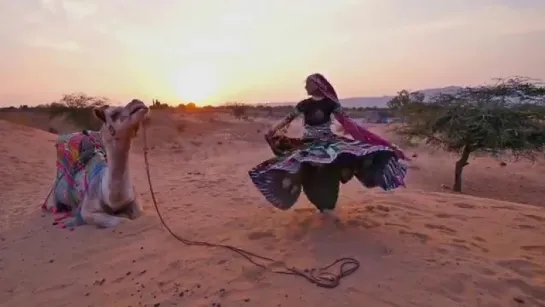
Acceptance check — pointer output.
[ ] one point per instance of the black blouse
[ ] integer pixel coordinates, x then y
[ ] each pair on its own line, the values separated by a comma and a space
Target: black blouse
317, 112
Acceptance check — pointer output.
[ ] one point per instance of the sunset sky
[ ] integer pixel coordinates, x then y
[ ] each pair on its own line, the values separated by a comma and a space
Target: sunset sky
214, 51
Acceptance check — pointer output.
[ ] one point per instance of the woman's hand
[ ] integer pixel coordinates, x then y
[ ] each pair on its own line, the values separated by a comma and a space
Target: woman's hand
399, 153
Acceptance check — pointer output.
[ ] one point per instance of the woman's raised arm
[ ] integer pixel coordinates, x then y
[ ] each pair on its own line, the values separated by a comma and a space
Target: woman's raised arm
285, 121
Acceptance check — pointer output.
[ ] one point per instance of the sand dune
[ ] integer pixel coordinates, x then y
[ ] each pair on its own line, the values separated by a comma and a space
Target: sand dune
417, 246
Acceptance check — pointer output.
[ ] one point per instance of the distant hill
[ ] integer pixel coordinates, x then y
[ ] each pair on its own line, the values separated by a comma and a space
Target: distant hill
366, 102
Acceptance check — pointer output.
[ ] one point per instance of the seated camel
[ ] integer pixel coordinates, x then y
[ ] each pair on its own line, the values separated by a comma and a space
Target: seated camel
93, 185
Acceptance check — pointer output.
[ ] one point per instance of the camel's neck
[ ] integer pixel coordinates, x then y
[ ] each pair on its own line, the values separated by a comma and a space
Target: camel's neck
118, 182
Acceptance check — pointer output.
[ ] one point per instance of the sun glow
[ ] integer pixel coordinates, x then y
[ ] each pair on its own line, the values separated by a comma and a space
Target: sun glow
197, 83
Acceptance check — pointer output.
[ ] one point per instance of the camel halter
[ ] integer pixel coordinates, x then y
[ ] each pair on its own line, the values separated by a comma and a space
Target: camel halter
111, 129
318, 276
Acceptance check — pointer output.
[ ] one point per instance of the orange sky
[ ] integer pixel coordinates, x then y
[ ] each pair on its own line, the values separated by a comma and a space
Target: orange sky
215, 51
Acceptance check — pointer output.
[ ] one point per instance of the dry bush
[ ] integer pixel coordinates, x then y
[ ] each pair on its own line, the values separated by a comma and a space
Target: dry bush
240, 111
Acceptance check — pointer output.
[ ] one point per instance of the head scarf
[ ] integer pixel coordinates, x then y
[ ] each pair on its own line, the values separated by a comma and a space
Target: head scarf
323, 86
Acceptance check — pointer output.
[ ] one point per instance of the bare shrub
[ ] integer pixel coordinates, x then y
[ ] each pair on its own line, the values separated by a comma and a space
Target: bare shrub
239, 110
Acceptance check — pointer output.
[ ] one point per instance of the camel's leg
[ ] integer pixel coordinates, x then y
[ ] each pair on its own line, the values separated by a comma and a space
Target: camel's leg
50, 203
135, 210
58, 195
91, 214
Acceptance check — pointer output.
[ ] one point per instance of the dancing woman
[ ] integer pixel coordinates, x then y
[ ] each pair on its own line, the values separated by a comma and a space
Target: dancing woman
319, 161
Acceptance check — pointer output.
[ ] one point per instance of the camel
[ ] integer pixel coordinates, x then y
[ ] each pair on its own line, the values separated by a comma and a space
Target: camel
101, 191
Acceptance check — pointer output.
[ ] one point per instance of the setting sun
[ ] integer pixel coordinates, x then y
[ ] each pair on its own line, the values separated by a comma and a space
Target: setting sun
197, 83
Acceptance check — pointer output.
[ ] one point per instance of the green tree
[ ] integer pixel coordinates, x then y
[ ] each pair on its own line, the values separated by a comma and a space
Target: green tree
406, 103
508, 116
78, 108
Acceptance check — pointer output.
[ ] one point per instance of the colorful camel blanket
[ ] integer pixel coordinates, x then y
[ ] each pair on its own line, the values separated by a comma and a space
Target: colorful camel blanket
75, 169
74, 150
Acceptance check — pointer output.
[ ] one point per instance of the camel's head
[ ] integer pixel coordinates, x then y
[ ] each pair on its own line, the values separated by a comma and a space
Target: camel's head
122, 123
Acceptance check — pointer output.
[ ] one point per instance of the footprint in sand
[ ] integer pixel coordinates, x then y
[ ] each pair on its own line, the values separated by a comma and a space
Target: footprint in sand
535, 292
523, 226
487, 271
366, 223
451, 216
464, 245
258, 235
383, 208
442, 228
397, 225
420, 236
522, 267
465, 206
504, 207
477, 238
535, 217
460, 246
455, 286
534, 248
482, 249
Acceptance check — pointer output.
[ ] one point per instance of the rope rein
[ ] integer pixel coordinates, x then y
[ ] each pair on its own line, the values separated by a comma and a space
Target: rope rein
318, 276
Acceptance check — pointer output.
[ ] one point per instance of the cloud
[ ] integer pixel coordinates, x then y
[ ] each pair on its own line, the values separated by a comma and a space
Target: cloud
71, 9
494, 20
78, 10
33, 18
67, 46
61, 25
51, 6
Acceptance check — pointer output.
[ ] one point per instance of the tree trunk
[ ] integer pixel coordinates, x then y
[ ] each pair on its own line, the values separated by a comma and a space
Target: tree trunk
460, 164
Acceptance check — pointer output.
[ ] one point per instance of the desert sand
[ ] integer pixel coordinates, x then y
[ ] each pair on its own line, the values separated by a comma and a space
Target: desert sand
418, 246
